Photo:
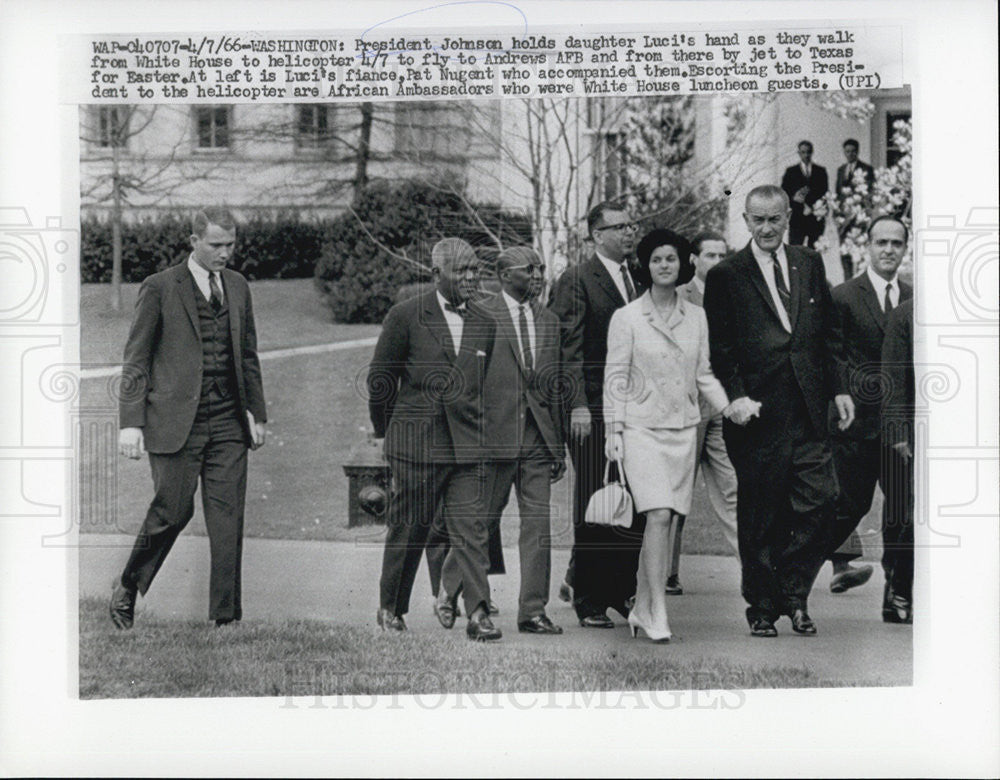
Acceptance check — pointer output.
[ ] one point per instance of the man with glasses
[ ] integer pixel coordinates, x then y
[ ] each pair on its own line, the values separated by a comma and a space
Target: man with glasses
523, 444
604, 559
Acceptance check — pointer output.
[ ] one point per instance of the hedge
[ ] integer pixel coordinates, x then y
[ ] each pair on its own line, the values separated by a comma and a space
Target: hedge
282, 246
362, 277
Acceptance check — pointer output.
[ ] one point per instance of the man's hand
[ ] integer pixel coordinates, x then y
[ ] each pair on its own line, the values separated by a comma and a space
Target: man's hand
741, 410
259, 432
800, 194
130, 443
558, 470
614, 447
579, 424
903, 448
845, 408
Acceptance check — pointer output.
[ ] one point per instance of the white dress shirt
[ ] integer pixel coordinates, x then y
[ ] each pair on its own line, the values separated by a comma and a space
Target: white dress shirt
454, 320
766, 264
515, 314
201, 279
615, 269
880, 284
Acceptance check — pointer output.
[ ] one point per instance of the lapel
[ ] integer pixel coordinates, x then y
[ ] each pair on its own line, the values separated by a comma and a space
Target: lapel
796, 287
605, 281
656, 321
435, 323
506, 325
185, 286
752, 270
235, 315
870, 300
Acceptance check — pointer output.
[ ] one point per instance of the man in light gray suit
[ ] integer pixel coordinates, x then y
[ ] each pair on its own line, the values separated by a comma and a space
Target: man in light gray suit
708, 248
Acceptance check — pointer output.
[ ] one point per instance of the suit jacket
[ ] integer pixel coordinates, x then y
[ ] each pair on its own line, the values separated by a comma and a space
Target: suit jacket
511, 390
749, 347
845, 185
794, 180
162, 367
897, 359
422, 397
584, 298
862, 324
657, 371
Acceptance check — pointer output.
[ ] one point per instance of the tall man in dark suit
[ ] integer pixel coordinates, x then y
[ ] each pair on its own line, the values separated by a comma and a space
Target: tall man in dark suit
775, 341
524, 445
898, 452
853, 177
425, 401
863, 305
193, 399
805, 184
708, 250
604, 559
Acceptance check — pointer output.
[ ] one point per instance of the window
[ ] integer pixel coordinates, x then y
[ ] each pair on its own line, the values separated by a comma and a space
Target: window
212, 124
430, 129
613, 159
112, 126
314, 122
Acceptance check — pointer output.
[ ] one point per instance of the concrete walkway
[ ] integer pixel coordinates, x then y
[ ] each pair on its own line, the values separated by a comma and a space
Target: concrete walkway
338, 582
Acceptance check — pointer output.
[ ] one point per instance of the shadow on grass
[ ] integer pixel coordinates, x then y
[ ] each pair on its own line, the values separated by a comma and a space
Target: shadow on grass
163, 659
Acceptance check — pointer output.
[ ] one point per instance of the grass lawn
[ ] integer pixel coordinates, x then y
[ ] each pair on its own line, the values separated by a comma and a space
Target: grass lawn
302, 658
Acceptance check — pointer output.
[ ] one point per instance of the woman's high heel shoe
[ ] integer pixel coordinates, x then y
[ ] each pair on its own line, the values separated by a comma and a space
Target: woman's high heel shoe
635, 624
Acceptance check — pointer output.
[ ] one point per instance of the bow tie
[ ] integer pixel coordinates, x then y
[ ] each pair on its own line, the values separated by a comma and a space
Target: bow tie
460, 310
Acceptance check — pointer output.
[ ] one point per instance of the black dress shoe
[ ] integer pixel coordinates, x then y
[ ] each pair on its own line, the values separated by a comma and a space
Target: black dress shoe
674, 586
539, 624
446, 612
802, 623
762, 627
122, 607
897, 610
596, 621
850, 578
481, 629
390, 622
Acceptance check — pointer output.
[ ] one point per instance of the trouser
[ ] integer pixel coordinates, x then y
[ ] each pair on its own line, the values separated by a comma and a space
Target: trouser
858, 463
419, 492
215, 451
897, 523
720, 477
787, 491
530, 476
605, 558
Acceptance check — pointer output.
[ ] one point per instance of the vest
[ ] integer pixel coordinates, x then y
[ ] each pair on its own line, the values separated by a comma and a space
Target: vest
218, 373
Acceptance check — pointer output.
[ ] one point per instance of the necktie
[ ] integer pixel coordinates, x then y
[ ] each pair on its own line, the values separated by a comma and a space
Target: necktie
779, 282
887, 306
629, 288
522, 325
216, 293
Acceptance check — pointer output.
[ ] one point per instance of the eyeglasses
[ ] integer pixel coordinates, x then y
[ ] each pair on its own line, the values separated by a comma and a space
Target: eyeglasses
539, 269
628, 227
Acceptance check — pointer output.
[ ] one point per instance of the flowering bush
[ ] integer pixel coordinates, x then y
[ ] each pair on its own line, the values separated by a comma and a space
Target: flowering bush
891, 193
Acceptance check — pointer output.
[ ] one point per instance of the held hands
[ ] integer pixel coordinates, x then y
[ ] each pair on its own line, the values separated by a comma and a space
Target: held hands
130, 443
742, 410
579, 424
845, 408
614, 447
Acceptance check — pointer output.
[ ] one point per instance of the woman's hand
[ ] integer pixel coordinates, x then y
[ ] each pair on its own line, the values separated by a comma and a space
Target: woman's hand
614, 447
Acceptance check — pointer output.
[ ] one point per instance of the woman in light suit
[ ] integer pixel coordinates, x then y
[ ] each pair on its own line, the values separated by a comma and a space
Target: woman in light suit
656, 370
